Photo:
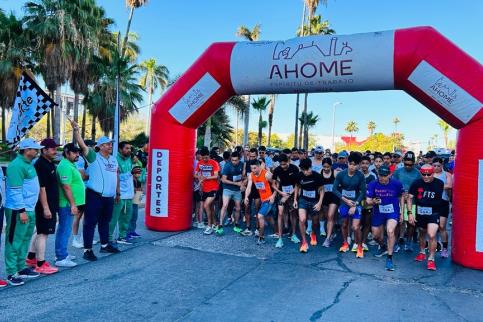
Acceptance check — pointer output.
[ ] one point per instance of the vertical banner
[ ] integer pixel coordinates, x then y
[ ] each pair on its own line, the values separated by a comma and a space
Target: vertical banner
479, 209
159, 183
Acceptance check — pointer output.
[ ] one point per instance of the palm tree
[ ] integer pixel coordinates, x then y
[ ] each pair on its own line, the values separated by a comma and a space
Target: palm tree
351, 127
311, 120
260, 105
396, 121
132, 4
371, 126
153, 76
250, 35
220, 130
446, 128
271, 110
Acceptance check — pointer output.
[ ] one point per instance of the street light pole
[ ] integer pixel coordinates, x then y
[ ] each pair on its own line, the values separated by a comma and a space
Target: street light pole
333, 124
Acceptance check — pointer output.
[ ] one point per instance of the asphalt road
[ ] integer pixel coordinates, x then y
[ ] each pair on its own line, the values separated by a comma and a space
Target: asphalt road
191, 277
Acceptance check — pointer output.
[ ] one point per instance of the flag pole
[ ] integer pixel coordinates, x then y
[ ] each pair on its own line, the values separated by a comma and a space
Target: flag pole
115, 135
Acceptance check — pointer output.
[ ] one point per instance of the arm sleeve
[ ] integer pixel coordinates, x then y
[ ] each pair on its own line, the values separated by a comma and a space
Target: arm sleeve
335, 189
15, 179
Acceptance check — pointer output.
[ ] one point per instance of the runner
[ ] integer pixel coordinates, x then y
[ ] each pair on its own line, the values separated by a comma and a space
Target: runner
260, 179
330, 201
311, 188
366, 208
197, 203
317, 167
341, 163
350, 188
378, 162
447, 179
428, 197
207, 174
407, 176
262, 153
385, 194
253, 197
294, 157
232, 179
387, 157
284, 180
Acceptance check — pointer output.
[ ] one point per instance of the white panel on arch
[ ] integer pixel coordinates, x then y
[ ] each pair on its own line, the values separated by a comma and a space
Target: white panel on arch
479, 210
331, 63
443, 90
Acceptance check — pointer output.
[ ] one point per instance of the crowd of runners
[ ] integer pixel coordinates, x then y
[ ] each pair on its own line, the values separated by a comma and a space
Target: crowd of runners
90, 185
393, 201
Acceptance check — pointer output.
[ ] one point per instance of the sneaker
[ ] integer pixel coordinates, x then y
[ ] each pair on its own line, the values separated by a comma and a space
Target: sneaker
124, 241
247, 232
360, 252
110, 249
364, 247
279, 243
420, 257
89, 255
326, 243
274, 236
304, 248
322, 231
294, 239
260, 241
27, 273
431, 265
136, 235
3, 283
257, 234
381, 251
208, 231
219, 231
389, 264
31, 262
46, 269
313, 239
444, 253
397, 248
344, 248
14, 280
66, 262
332, 237
237, 229
77, 242
200, 225
71, 257
354, 248
372, 243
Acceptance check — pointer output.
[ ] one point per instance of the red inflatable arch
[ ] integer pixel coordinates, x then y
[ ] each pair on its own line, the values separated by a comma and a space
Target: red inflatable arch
419, 61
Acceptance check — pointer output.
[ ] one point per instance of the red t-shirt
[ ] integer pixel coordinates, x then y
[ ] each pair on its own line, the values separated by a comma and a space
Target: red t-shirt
208, 169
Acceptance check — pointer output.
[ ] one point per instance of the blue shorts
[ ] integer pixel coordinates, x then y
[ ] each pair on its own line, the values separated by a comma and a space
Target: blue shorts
308, 206
265, 208
235, 195
379, 219
344, 211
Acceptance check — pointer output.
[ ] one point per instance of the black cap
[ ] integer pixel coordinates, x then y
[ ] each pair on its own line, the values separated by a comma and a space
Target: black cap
71, 147
409, 156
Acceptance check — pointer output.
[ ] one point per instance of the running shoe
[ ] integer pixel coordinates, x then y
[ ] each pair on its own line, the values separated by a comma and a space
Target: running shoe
15, 280
304, 248
208, 231
326, 243
200, 225
294, 239
420, 257
397, 248
360, 252
444, 253
110, 249
372, 242
219, 231
344, 248
77, 242
431, 265
313, 239
247, 232
237, 229
31, 262
136, 235
46, 269
274, 236
89, 255
279, 243
354, 248
332, 237
260, 241
27, 273
123, 241
322, 231
389, 264
381, 251
364, 247
3, 283
66, 262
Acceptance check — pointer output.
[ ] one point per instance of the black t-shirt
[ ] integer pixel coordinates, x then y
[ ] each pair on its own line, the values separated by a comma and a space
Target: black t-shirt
48, 180
310, 185
286, 177
428, 196
328, 183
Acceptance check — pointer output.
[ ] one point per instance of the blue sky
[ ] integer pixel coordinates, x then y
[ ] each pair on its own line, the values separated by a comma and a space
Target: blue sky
175, 33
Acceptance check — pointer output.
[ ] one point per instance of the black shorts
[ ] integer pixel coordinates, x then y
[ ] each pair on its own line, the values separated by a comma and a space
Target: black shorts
444, 209
196, 196
45, 226
330, 198
422, 221
288, 204
206, 195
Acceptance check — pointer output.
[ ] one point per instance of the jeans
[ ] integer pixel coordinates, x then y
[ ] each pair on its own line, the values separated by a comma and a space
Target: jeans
64, 229
98, 211
134, 219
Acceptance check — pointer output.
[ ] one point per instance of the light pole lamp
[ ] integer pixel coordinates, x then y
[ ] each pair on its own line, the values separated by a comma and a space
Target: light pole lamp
333, 124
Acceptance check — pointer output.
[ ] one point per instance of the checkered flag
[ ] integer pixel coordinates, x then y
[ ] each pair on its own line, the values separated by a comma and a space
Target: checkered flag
31, 104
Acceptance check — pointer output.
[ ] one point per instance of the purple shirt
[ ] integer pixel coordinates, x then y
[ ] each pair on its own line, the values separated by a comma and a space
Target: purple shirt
389, 194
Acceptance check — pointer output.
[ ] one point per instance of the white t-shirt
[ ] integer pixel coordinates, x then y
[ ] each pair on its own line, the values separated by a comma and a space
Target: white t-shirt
103, 175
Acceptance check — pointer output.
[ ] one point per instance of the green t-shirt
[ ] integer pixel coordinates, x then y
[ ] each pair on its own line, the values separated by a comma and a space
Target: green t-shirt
68, 173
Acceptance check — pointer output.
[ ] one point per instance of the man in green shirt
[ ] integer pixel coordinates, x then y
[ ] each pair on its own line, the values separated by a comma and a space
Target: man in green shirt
72, 198
22, 193
122, 210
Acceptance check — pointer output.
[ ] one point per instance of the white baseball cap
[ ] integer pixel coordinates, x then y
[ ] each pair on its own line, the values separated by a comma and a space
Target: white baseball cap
29, 144
103, 140
319, 148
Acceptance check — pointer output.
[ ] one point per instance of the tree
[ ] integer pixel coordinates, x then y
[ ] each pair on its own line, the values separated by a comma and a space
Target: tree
351, 127
220, 128
132, 4
153, 76
445, 128
271, 110
395, 121
311, 120
250, 35
260, 105
371, 126
381, 142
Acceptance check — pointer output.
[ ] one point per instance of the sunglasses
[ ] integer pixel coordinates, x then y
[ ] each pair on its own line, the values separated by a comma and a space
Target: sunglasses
426, 174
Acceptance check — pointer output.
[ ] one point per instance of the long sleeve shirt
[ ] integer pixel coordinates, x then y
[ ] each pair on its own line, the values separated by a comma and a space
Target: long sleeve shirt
351, 187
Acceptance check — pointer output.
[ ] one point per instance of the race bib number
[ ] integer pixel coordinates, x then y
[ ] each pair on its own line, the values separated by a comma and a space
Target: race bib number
287, 189
386, 209
237, 178
425, 211
328, 187
206, 173
260, 185
349, 193
308, 193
